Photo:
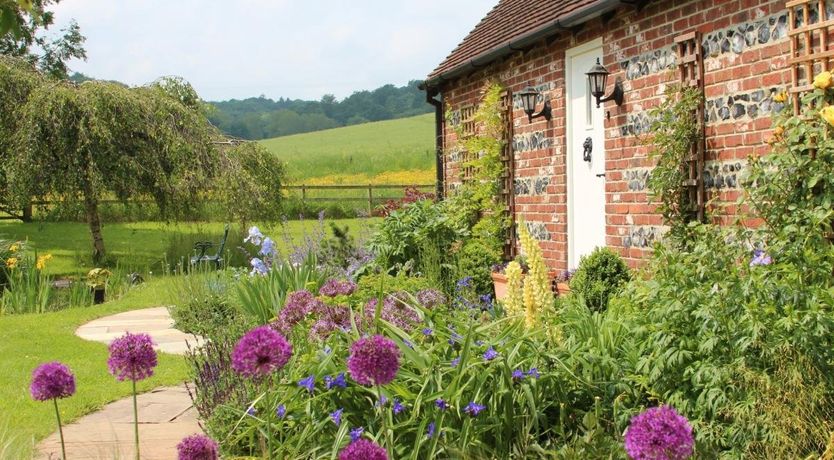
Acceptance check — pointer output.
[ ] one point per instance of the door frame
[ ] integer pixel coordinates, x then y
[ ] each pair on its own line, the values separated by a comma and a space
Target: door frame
569, 120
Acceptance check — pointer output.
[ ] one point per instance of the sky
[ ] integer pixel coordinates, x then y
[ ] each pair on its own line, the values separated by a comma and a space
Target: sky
300, 49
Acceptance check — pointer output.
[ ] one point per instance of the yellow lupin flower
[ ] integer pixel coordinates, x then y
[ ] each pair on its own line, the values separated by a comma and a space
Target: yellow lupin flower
827, 114
823, 80
514, 302
41, 263
780, 97
11, 262
536, 292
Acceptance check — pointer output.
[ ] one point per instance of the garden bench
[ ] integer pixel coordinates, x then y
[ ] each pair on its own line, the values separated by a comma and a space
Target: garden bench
203, 246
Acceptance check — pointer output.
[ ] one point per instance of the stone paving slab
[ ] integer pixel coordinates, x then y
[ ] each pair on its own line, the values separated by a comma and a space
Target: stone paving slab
156, 322
165, 417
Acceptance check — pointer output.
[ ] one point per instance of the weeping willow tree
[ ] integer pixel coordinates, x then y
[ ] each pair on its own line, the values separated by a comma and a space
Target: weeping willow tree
85, 143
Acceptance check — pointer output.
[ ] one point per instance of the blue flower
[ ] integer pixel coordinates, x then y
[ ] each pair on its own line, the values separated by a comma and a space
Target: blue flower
454, 338
490, 354
427, 331
255, 236
430, 430
473, 409
268, 248
356, 433
328, 350
397, 407
382, 401
518, 374
533, 372
338, 381
258, 267
408, 343
281, 411
456, 361
251, 411
336, 416
441, 404
760, 258
309, 383
464, 282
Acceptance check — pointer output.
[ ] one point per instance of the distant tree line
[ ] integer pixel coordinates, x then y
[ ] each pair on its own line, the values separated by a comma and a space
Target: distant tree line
262, 118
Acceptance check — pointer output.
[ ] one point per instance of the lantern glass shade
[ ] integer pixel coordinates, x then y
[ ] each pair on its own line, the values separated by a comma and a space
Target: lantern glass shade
528, 99
597, 77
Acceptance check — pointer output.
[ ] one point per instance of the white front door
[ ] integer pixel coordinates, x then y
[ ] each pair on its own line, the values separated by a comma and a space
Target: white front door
585, 156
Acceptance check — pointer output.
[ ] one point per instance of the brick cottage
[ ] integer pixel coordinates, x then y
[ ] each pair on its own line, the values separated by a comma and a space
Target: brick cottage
579, 179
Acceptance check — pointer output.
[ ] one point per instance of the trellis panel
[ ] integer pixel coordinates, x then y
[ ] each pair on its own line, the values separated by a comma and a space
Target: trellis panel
507, 186
691, 71
809, 30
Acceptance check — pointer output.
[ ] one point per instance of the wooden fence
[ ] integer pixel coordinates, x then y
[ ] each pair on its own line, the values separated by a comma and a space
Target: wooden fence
369, 195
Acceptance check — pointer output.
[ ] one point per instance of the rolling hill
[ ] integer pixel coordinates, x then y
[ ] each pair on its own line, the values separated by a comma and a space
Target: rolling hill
386, 152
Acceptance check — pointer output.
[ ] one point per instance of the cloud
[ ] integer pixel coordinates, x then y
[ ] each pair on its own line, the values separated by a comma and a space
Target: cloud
280, 48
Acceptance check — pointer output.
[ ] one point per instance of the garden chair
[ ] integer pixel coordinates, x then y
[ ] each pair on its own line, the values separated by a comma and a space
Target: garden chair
203, 246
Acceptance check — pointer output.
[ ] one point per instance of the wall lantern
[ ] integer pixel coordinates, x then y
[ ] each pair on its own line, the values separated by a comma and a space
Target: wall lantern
597, 78
528, 100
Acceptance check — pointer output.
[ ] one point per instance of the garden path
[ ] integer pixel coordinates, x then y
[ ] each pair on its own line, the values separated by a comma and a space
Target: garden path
156, 322
166, 415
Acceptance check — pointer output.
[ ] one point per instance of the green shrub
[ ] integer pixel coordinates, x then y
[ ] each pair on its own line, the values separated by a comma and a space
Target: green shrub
369, 286
599, 277
203, 305
476, 259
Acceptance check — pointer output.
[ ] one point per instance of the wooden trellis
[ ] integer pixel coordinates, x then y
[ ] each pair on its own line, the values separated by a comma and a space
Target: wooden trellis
691, 70
811, 51
467, 129
507, 188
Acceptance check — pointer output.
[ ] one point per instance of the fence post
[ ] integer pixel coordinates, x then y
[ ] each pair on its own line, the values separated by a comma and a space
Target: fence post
303, 193
370, 200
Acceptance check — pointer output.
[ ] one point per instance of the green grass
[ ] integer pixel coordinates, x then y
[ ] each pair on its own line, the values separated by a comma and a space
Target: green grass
367, 149
29, 340
141, 245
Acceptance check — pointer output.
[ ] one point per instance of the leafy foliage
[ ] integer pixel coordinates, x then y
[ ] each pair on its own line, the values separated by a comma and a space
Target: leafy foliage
599, 277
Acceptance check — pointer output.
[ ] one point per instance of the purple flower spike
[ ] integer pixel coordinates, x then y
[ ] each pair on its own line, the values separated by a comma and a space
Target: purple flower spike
441, 404
518, 374
281, 411
490, 354
363, 449
430, 430
397, 407
473, 409
373, 360
197, 447
309, 383
356, 433
336, 416
52, 381
333, 382
261, 352
132, 357
659, 433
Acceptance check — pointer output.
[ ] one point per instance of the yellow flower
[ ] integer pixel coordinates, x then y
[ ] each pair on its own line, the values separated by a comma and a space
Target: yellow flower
11, 262
41, 263
780, 97
823, 80
778, 131
827, 114
14, 248
514, 301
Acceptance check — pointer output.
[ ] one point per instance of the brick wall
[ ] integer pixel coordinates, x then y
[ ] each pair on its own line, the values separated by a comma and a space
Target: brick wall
746, 48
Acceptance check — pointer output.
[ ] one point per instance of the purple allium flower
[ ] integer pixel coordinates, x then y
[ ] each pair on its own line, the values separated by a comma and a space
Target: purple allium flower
309, 383
373, 360
430, 298
281, 411
518, 374
296, 308
268, 248
760, 258
397, 407
334, 287
490, 354
455, 362
659, 433
336, 416
197, 447
533, 372
255, 236
441, 404
427, 331
258, 267
338, 381
132, 357
473, 409
430, 430
356, 433
363, 449
52, 381
395, 311
261, 352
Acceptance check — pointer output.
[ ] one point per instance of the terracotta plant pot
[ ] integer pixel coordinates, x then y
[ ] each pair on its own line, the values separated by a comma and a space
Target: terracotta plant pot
562, 288
499, 281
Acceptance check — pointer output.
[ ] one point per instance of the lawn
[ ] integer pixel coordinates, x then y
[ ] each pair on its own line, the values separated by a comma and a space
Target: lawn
393, 151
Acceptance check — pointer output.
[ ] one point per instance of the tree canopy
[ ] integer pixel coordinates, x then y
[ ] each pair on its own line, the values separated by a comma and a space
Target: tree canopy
98, 140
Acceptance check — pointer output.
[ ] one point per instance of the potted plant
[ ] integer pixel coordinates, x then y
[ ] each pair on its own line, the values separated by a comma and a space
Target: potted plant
97, 280
562, 282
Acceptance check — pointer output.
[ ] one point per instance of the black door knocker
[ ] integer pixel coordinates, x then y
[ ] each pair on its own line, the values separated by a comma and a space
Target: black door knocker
587, 148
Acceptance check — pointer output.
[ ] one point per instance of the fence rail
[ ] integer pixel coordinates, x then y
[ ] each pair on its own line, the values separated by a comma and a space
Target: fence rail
371, 194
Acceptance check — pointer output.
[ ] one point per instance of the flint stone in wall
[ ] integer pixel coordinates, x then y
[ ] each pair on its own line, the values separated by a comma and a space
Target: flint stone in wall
724, 175
538, 231
531, 141
643, 236
521, 187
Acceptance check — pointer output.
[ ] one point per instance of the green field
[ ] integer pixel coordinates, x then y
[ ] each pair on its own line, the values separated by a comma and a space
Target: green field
368, 150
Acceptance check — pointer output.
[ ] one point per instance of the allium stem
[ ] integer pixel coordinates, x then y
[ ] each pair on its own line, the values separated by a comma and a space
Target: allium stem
60, 430
388, 441
135, 419
269, 415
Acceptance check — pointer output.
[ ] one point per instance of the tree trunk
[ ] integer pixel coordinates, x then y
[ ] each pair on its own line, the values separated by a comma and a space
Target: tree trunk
93, 220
